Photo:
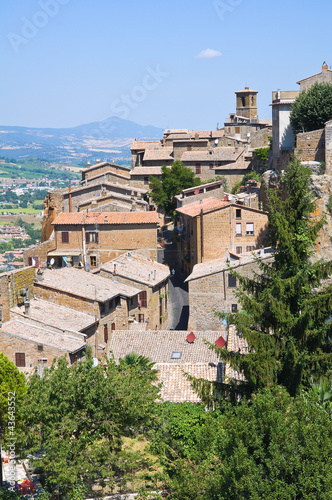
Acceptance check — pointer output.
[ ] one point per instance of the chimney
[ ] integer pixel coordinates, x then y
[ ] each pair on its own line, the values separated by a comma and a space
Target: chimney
324, 67
88, 165
129, 256
227, 255
154, 274
26, 307
114, 270
98, 161
196, 137
261, 252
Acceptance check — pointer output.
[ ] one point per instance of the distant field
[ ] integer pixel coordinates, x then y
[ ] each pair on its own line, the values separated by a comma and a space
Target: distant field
19, 210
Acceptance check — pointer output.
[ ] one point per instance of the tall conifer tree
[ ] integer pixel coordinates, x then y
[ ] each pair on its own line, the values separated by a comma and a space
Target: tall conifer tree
285, 308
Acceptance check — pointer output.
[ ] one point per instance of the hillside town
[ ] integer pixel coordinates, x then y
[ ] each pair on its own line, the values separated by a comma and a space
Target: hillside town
115, 273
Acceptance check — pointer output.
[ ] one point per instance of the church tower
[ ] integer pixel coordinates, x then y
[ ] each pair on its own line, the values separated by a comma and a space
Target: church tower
246, 103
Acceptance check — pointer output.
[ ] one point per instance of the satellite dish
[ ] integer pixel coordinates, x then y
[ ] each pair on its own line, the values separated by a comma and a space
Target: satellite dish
52, 261
87, 266
196, 191
95, 362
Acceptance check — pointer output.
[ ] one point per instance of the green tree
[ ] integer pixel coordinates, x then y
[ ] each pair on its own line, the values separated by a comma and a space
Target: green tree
173, 180
272, 448
248, 176
286, 310
312, 108
78, 415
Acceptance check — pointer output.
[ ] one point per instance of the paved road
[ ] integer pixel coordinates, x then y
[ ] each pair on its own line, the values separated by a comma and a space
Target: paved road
178, 312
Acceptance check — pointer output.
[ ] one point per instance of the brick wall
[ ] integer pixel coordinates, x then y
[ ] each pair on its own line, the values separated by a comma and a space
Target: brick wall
12, 288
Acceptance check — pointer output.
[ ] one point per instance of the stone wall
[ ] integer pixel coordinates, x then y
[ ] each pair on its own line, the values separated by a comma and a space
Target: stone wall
328, 148
39, 252
52, 206
310, 146
11, 344
13, 286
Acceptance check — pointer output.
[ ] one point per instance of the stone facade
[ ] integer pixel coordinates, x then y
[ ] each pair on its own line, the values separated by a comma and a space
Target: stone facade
37, 256
211, 228
325, 76
116, 173
310, 146
211, 288
52, 206
15, 287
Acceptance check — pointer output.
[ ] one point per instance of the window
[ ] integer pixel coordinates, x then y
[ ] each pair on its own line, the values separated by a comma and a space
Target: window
105, 333
40, 347
211, 166
252, 100
231, 281
141, 318
250, 248
20, 359
176, 355
33, 261
243, 101
146, 181
238, 250
91, 237
238, 229
234, 308
237, 130
189, 147
102, 308
113, 326
142, 299
198, 168
93, 261
238, 213
249, 228
64, 237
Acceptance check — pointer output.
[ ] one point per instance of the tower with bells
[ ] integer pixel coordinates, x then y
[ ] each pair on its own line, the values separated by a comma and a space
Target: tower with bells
246, 103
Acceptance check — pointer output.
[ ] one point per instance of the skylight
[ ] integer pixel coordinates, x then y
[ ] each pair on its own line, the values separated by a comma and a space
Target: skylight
176, 355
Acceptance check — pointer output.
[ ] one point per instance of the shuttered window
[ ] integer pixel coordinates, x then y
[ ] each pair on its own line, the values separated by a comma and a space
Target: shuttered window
65, 237
20, 359
142, 297
238, 228
250, 228
91, 237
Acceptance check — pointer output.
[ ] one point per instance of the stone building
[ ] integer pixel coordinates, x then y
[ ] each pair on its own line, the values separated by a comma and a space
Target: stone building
282, 135
30, 346
88, 238
112, 304
197, 193
212, 288
151, 278
211, 227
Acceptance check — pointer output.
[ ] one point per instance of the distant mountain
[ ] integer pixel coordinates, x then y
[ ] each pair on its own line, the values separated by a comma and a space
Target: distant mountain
109, 139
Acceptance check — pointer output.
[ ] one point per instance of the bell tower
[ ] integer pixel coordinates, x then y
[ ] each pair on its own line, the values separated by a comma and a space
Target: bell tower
246, 103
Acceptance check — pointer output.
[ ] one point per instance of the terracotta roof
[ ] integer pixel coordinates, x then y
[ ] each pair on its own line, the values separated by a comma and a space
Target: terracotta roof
106, 218
245, 90
207, 205
177, 388
164, 153
104, 164
136, 268
229, 154
159, 346
50, 314
42, 335
140, 145
84, 284
98, 186
146, 171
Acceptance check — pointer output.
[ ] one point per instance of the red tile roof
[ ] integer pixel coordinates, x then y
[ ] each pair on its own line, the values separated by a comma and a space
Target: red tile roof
77, 218
207, 206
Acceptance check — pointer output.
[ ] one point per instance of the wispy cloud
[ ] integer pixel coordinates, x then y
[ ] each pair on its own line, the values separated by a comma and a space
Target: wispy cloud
208, 54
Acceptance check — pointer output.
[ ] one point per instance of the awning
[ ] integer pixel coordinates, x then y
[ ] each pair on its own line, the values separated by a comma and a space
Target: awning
63, 253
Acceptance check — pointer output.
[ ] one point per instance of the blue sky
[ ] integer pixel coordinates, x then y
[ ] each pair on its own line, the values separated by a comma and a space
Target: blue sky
173, 64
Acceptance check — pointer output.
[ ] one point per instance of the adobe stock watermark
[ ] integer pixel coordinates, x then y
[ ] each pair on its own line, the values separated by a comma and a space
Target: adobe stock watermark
224, 7
12, 439
126, 102
31, 27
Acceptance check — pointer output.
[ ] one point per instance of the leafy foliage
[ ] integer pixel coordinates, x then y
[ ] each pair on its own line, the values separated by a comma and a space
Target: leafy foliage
250, 175
312, 108
285, 309
262, 153
78, 415
173, 181
271, 448
11, 381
